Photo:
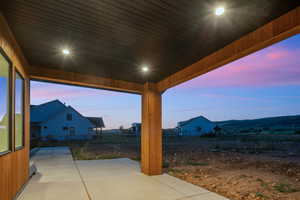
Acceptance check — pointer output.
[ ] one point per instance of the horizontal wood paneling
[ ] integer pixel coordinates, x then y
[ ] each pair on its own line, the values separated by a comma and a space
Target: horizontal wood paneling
275, 31
14, 167
59, 76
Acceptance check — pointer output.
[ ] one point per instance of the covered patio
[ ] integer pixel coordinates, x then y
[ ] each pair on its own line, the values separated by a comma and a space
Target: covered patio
59, 177
141, 47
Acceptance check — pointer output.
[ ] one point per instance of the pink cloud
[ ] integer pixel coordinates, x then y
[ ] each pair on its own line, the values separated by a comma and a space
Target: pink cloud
269, 67
277, 55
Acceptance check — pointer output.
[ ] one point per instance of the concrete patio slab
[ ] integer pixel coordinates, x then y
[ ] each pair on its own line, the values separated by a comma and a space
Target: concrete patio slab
136, 187
181, 186
54, 191
206, 196
59, 177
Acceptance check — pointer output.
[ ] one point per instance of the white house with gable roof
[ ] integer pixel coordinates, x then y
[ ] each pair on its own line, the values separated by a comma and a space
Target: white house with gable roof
195, 127
55, 120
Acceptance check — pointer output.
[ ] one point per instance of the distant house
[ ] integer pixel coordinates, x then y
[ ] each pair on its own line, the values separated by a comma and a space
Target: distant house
195, 127
55, 120
136, 128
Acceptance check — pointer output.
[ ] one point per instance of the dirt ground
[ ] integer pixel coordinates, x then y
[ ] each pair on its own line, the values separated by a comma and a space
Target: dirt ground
237, 176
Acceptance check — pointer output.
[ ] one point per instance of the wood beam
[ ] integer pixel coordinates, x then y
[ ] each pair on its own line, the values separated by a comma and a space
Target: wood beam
275, 31
151, 139
60, 76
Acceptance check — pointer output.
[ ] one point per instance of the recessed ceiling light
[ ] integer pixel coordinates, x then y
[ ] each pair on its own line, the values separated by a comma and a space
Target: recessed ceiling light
66, 51
220, 11
145, 69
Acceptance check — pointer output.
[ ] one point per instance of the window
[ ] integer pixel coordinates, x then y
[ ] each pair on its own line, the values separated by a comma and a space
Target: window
69, 117
198, 128
72, 131
19, 111
5, 99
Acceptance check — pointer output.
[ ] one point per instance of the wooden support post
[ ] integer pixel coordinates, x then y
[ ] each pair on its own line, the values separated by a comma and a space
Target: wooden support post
151, 139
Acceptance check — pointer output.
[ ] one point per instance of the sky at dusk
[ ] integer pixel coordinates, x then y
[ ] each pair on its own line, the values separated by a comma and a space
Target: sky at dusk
263, 84
116, 108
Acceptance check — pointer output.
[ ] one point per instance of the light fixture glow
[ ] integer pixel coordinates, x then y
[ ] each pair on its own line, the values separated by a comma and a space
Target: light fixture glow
220, 11
145, 69
66, 51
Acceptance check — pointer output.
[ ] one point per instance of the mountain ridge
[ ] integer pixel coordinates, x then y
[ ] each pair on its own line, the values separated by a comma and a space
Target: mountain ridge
290, 121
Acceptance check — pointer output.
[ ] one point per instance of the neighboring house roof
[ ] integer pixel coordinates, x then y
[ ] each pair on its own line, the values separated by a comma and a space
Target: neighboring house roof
97, 121
4, 120
183, 123
136, 124
45, 111
49, 110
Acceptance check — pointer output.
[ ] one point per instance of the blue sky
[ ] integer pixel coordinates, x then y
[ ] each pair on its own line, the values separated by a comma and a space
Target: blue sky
263, 84
3, 98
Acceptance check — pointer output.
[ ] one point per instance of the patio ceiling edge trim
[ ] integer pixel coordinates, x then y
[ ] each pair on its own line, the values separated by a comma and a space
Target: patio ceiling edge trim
279, 29
72, 78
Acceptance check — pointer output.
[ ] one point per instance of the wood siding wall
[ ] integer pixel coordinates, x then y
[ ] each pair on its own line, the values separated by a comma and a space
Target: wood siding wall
14, 166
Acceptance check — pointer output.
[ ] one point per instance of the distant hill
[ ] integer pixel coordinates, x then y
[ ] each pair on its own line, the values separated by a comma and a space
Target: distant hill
282, 122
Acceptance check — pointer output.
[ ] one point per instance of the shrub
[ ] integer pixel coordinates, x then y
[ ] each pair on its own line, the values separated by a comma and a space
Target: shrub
261, 195
138, 158
285, 188
166, 165
174, 170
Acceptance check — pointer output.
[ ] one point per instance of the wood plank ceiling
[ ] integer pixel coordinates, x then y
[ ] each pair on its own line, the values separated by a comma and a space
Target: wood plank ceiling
115, 38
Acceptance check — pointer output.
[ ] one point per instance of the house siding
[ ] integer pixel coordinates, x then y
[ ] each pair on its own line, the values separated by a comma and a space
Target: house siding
51, 122
56, 124
196, 127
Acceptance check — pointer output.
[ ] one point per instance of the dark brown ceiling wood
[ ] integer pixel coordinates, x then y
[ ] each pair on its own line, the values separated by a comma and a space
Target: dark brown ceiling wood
275, 31
113, 38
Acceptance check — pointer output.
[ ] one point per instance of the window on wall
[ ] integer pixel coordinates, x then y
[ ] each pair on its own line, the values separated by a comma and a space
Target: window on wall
69, 117
5, 68
72, 131
19, 111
